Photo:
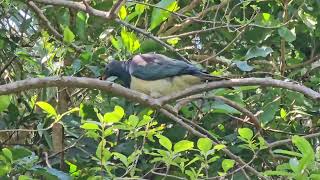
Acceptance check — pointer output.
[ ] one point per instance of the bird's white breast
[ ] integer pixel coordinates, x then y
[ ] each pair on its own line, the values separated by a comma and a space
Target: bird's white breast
163, 87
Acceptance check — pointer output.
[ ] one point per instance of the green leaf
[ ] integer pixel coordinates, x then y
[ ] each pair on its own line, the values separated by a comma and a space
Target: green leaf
315, 176
227, 164
173, 41
130, 40
68, 35
204, 144
303, 145
159, 15
277, 173
164, 141
286, 152
262, 143
183, 145
133, 120
47, 108
122, 158
258, 52
102, 153
219, 147
146, 119
308, 19
139, 8
117, 43
7, 153
245, 133
24, 177
283, 113
213, 159
307, 151
123, 12
4, 102
269, 112
81, 25
266, 17
114, 116
286, 34
89, 126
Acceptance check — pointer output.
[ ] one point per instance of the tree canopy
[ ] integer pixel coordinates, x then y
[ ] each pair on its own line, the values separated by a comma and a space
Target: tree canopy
58, 120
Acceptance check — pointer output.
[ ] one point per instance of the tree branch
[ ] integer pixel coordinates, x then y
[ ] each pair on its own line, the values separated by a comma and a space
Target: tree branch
76, 5
106, 15
265, 82
243, 110
47, 23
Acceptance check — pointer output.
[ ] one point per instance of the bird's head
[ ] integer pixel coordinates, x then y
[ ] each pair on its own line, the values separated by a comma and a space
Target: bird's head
118, 69
111, 69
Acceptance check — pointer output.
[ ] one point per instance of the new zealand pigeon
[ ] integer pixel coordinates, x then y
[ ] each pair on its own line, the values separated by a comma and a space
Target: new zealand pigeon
157, 75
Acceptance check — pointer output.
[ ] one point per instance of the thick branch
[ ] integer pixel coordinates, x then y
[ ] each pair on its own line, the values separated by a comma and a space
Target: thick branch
76, 5
78, 82
265, 82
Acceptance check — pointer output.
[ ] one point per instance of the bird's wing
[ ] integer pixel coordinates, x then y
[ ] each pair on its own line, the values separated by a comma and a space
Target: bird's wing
156, 66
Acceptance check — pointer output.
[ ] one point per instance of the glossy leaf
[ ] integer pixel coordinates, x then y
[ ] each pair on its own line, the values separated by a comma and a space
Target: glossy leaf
164, 141
183, 145
204, 144
245, 133
159, 15
47, 108
227, 164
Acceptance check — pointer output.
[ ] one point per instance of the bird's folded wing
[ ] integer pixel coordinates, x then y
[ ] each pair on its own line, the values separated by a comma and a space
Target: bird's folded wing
156, 66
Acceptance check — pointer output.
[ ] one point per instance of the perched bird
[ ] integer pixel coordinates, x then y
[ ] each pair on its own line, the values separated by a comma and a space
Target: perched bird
157, 75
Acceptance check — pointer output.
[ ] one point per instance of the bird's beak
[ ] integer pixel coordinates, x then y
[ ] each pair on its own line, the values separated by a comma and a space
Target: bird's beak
103, 77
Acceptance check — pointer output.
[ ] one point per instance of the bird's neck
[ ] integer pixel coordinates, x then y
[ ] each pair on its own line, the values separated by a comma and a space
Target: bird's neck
125, 75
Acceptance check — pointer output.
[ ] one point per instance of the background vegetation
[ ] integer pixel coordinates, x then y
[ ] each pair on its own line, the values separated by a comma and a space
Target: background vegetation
73, 133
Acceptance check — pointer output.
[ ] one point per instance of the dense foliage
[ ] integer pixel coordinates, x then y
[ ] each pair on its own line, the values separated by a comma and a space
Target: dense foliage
71, 133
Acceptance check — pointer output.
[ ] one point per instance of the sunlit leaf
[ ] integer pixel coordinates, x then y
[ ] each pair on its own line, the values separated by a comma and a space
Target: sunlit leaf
68, 35
164, 141
227, 164
47, 108
159, 15
183, 145
89, 126
204, 144
123, 12
246, 133
114, 116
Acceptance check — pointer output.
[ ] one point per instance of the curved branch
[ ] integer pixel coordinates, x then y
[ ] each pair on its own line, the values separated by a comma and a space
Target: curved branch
79, 82
76, 5
242, 82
